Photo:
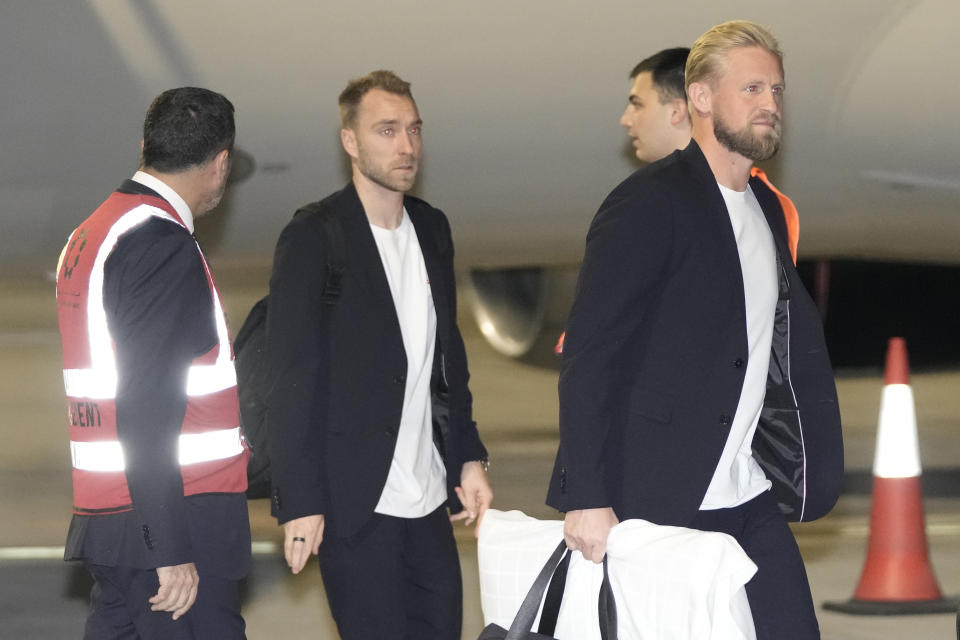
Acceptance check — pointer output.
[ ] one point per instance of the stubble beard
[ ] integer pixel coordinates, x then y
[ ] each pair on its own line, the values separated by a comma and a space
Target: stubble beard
381, 176
752, 146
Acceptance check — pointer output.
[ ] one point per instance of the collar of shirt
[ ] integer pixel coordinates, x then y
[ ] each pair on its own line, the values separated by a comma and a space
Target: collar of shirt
168, 194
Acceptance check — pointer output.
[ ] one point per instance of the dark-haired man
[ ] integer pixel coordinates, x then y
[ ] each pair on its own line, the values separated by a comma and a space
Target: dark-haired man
370, 409
159, 464
696, 389
656, 114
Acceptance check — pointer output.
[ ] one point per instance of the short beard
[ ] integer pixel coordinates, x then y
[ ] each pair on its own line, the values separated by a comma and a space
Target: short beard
383, 178
744, 142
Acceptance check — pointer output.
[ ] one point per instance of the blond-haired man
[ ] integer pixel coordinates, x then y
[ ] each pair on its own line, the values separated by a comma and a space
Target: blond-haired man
696, 389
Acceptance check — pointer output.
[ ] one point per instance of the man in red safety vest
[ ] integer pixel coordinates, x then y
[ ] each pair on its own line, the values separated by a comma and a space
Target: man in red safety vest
159, 463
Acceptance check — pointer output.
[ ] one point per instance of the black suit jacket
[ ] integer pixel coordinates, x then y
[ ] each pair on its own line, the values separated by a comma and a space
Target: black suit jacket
656, 351
339, 370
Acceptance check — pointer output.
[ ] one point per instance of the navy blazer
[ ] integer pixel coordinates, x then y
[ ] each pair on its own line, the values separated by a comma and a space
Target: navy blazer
339, 370
655, 357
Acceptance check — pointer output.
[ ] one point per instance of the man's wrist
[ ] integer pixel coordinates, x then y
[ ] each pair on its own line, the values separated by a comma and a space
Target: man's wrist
484, 463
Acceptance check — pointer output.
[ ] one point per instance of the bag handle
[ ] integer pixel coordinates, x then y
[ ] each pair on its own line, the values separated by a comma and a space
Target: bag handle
557, 564
554, 597
607, 607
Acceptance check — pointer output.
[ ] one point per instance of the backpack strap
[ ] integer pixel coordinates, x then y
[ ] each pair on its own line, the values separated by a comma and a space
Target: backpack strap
336, 248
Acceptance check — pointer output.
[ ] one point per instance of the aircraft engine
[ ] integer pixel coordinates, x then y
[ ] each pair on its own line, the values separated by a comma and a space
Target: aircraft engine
521, 311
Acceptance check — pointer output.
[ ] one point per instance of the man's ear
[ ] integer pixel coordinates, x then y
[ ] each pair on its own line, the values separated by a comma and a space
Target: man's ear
701, 97
678, 111
348, 138
221, 163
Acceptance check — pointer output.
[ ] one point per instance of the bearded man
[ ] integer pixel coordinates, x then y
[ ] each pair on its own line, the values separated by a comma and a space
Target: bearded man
696, 389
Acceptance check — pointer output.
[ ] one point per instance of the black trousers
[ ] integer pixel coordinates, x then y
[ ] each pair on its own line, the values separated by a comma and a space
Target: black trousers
119, 608
397, 578
779, 592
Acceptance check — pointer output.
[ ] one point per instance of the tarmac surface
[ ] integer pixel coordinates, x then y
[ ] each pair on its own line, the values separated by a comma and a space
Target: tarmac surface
41, 597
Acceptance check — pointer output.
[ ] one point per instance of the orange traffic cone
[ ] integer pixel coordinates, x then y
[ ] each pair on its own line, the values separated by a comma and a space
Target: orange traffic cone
897, 576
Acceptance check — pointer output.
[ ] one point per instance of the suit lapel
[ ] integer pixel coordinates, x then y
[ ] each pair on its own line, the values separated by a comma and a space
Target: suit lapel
717, 222
715, 216
426, 236
773, 212
363, 257
367, 268
714, 207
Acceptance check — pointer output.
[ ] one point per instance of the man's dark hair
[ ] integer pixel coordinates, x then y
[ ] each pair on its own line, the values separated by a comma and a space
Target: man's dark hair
186, 127
666, 67
350, 97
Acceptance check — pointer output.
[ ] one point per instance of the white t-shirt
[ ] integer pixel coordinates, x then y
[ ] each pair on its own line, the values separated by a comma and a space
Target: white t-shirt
416, 483
738, 477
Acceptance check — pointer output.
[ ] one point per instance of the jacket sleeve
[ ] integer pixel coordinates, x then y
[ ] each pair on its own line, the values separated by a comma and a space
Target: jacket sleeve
456, 373
160, 315
626, 252
296, 348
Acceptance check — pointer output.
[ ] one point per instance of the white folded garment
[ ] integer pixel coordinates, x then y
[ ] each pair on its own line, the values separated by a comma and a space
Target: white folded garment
670, 583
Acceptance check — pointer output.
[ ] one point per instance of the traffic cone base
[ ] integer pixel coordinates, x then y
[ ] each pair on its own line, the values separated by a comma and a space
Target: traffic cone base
894, 608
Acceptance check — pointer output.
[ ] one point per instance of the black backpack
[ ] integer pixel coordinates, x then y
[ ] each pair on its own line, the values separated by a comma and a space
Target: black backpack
249, 347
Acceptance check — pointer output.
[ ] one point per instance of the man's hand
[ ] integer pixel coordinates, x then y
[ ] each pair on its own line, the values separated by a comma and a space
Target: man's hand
586, 530
301, 537
178, 589
474, 493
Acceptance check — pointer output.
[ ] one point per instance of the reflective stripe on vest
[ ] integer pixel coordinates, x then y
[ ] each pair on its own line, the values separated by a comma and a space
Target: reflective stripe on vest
107, 455
101, 383
100, 380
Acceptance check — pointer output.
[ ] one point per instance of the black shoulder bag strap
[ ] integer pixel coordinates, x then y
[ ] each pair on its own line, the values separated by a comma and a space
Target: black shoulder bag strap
336, 247
548, 581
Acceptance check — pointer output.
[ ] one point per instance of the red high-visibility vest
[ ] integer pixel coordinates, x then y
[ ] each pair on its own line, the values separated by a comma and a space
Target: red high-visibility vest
212, 454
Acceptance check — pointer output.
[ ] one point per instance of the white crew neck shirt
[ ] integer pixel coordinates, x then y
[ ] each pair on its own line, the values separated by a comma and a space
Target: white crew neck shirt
738, 477
416, 483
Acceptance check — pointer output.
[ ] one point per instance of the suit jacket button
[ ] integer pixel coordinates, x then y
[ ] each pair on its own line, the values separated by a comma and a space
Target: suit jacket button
738, 363
390, 431
725, 420
400, 379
